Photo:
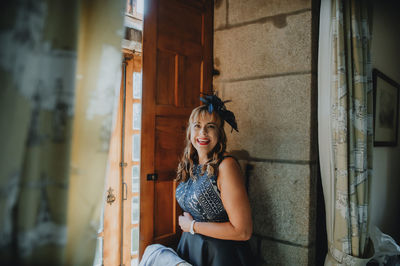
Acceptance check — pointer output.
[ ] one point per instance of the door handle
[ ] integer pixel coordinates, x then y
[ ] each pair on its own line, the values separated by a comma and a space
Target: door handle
125, 193
110, 196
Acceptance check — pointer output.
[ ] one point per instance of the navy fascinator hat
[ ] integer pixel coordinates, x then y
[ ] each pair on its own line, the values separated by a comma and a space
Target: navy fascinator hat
216, 104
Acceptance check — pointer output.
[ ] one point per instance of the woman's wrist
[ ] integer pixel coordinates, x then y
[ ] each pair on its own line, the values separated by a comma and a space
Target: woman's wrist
196, 227
191, 230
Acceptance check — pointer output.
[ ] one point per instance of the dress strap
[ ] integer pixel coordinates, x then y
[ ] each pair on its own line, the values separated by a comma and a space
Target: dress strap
226, 156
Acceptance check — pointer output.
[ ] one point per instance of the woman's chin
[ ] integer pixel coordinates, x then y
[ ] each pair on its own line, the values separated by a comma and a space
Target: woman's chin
202, 149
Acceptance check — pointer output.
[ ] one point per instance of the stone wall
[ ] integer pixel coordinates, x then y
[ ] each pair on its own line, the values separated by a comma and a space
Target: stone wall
264, 51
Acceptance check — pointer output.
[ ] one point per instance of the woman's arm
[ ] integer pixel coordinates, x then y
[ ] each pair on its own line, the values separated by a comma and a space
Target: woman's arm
236, 203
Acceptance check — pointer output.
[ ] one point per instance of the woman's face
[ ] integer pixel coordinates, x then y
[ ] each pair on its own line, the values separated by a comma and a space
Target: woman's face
204, 133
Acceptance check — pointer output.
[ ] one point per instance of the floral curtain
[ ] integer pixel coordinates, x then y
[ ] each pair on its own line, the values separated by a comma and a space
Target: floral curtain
58, 69
345, 127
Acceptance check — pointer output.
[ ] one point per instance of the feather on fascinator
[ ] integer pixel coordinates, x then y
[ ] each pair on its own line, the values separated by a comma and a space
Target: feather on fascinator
216, 104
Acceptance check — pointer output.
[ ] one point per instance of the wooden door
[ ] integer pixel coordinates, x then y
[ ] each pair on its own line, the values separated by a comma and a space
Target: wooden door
131, 159
121, 208
177, 66
111, 233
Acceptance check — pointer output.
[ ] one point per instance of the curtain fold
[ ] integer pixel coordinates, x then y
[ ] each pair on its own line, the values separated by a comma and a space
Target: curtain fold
41, 119
345, 127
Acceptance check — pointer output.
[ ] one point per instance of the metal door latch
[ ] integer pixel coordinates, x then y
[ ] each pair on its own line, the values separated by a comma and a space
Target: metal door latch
110, 196
152, 177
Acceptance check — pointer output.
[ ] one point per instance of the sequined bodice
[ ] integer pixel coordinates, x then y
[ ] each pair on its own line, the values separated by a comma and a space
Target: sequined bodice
201, 198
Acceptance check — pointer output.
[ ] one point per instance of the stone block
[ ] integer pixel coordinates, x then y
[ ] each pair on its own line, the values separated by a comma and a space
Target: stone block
273, 116
279, 196
219, 14
261, 49
276, 253
249, 10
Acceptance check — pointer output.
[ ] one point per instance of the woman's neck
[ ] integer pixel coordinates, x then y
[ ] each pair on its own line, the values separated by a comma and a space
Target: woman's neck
203, 158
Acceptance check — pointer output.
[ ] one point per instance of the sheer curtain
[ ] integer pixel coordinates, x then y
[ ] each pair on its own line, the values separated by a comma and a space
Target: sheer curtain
345, 127
58, 69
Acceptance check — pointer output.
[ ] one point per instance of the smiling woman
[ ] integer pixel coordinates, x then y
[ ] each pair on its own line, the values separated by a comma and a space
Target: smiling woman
216, 222
204, 135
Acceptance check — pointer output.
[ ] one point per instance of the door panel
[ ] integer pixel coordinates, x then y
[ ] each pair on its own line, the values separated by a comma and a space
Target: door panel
170, 136
168, 43
163, 205
185, 26
166, 61
177, 66
192, 72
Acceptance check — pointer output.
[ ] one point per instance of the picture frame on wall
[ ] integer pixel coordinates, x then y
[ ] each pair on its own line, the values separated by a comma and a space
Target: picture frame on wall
386, 109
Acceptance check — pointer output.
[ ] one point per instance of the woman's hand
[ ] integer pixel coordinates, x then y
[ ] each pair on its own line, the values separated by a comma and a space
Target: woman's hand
184, 221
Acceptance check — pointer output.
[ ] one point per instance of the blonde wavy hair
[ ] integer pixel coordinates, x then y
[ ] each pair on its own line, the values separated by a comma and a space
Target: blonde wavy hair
190, 156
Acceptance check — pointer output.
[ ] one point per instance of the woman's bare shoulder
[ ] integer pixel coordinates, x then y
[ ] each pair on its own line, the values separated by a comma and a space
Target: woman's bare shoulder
229, 168
227, 161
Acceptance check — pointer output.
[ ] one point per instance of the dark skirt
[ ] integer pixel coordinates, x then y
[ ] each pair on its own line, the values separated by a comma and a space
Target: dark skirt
200, 250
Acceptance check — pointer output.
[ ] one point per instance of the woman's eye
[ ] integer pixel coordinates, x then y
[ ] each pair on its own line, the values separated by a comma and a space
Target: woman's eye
211, 126
196, 126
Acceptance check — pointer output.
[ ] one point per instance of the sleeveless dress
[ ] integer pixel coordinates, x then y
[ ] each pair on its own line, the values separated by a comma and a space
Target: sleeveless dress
201, 198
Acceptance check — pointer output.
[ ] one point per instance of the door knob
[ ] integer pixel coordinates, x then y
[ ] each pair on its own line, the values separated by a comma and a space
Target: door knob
110, 196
